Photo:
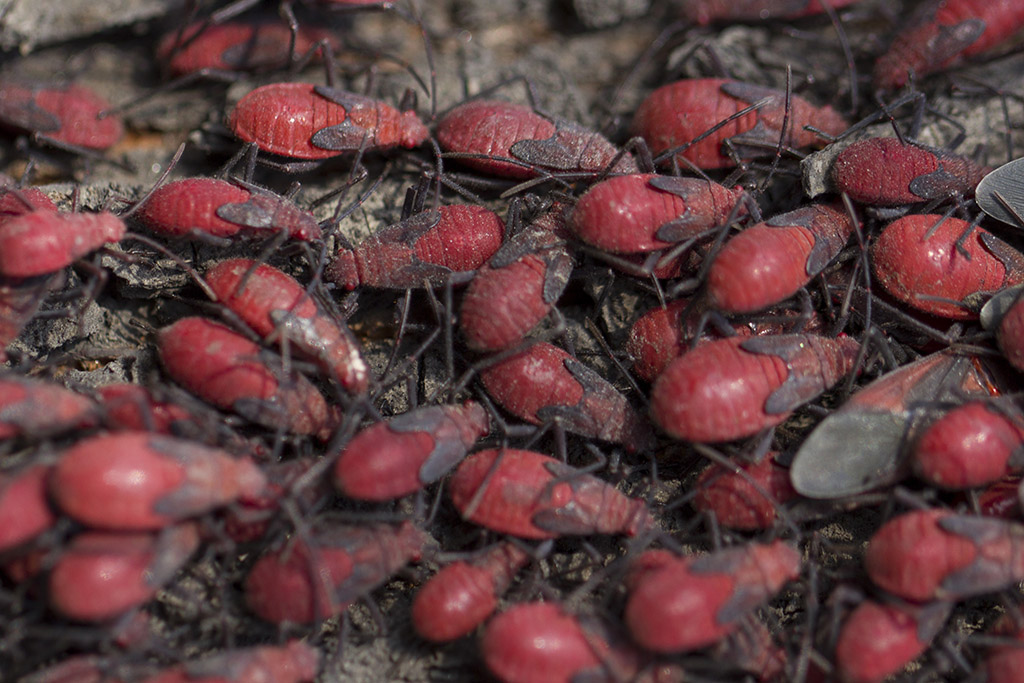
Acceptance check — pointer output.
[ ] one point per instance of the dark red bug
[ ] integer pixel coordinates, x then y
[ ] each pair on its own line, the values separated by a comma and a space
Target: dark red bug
941, 33
141, 481
938, 555
132, 407
918, 259
637, 213
226, 369
768, 262
1009, 327
293, 662
248, 519
403, 454
274, 304
691, 602
430, 246
1001, 499
463, 595
35, 408
675, 114
306, 121
704, 12
878, 640
308, 582
514, 141
101, 575
20, 300
24, 508
210, 206
736, 501
893, 172
732, 388
41, 241
516, 289
545, 383
68, 114
531, 495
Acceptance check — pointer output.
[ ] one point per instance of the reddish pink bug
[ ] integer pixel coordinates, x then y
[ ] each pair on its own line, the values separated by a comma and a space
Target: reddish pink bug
927, 262
751, 648
636, 213
769, 262
938, 555
17, 201
732, 388
514, 141
704, 12
675, 114
225, 369
141, 481
941, 33
24, 509
309, 582
20, 299
303, 121
273, 303
893, 172
531, 495
248, 519
66, 114
429, 246
35, 408
102, 575
401, 455
131, 407
41, 241
209, 206
736, 501
293, 662
692, 602
463, 595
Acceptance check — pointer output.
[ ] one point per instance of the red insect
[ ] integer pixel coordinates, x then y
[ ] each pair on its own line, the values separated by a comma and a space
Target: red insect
893, 172
273, 303
733, 388
142, 481
545, 383
15, 201
926, 262
514, 141
430, 246
293, 662
67, 114
24, 508
704, 12
1001, 499
878, 640
308, 582
637, 213
463, 595
942, 33
938, 555
131, 407
674, 114
209, 206
34, 408
736, 502
303, 121
518, 287
100, 576
530, 495
691, 602
41, 242
248, 519
752, 649
769, 262
401, 455
1009, 329
225, 369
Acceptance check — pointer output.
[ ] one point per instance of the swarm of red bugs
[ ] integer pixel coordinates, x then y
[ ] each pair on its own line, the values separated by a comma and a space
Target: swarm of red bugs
701, 367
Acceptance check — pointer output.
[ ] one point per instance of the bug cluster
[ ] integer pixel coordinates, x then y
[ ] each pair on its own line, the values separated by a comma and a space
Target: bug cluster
398, 370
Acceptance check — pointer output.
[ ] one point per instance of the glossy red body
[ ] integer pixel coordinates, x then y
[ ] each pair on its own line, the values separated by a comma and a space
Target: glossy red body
304, 583
545, 383
225, 368
888, 172
294, 662
913, 268
274, 304
732, 388
303, 121
463, 595
131, 407
675, 114
20, 299
736, 502
645, 212
400, 456
972, 445
937, 555
429, 246
68, 114
41, 241
36, 408
513, 141
1010, 335
25, 510
691, 602
704, 12
941, 33
531, 495
100, 576
878, 640
141, 481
